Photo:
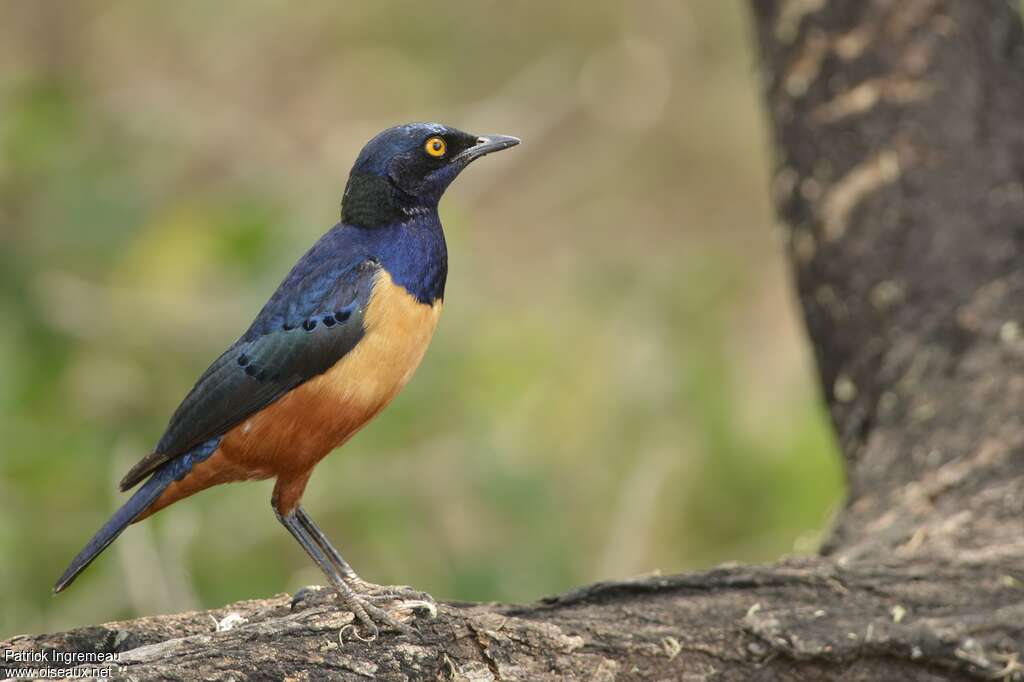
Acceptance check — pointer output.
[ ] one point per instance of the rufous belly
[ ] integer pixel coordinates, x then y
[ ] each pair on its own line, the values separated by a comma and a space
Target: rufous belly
286, 439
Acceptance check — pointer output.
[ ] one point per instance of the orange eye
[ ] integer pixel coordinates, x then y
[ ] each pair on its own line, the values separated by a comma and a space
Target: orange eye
436, 147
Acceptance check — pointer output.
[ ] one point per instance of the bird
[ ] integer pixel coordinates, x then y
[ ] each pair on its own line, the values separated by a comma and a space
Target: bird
334, 344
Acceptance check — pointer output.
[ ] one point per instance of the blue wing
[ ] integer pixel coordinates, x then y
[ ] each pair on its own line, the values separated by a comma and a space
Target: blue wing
312, 320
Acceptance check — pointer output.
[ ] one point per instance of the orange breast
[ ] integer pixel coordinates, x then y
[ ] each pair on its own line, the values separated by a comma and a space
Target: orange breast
288, 438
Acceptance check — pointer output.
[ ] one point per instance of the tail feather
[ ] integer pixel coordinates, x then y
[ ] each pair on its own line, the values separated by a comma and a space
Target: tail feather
166, 473
132, 509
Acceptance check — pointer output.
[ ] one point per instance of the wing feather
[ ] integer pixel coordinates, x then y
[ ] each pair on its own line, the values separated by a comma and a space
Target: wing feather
309, 324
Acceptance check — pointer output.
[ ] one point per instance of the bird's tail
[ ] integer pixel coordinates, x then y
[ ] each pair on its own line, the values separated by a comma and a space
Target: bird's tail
129, 511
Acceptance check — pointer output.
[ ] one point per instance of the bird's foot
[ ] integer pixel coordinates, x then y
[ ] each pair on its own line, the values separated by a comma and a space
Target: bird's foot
375, 607
370, 619
305, 596
388, 606
416, 600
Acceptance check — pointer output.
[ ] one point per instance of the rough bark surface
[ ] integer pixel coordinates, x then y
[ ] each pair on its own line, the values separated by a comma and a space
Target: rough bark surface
900, 129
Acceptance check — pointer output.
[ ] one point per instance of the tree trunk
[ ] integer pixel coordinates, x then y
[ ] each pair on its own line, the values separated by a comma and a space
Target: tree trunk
900, 129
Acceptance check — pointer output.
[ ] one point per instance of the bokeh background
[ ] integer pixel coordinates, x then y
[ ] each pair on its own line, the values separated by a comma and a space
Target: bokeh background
620, 382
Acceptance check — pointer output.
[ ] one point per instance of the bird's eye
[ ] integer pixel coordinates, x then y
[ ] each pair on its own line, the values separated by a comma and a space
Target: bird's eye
436, 147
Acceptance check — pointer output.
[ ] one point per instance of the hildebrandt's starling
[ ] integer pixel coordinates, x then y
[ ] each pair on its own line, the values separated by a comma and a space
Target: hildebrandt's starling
332, 347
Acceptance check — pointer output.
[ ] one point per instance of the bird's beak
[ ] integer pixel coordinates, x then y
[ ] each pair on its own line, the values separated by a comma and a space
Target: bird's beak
485, 145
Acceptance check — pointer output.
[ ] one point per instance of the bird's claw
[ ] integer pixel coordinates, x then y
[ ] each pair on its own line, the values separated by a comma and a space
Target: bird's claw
409, 601
366, 602
415, 606
368, 615
304, 594
389, 593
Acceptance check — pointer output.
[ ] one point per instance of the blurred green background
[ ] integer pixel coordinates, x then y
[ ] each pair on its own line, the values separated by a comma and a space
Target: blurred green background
619, 383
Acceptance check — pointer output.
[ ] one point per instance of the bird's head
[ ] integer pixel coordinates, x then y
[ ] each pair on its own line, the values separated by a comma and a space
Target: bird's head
407, 168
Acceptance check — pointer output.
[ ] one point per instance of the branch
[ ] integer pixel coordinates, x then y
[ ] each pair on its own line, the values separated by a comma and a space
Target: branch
802, 619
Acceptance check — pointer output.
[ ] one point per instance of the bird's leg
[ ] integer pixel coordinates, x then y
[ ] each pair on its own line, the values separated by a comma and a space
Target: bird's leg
412, 598
364, 611
321, 540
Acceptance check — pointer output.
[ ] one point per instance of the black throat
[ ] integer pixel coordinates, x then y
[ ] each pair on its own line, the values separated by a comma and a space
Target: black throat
373, 201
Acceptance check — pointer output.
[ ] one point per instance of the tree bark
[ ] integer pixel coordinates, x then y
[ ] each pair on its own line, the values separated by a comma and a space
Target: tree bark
900, 181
